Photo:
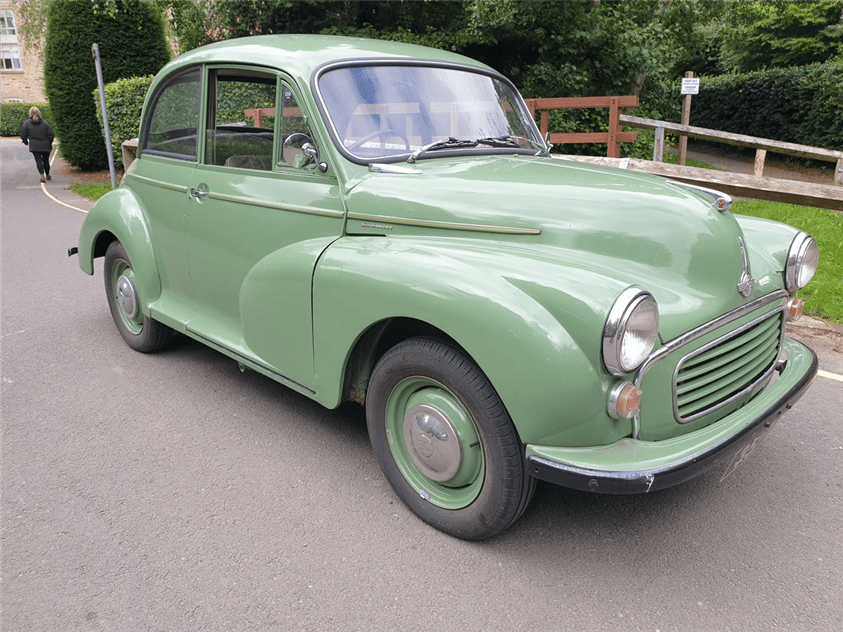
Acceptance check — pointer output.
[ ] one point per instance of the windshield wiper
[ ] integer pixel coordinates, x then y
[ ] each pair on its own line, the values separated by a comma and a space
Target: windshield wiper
451, 143
508, 140
500, 141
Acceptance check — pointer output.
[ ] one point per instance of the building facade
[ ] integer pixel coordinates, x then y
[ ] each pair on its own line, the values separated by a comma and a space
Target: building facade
21, 67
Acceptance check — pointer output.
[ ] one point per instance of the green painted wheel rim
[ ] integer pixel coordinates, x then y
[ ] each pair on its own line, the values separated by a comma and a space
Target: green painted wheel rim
122, 274
427, 402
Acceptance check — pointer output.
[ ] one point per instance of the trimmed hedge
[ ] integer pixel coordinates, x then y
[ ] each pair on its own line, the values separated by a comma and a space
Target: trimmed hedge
124, 101
803, 104
14, 113
131, 42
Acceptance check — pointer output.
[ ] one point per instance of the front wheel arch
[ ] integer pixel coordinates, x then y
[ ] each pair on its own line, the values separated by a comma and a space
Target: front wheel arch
375, 342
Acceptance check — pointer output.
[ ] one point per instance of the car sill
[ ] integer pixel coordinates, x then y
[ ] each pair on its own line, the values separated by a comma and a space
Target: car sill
252, 364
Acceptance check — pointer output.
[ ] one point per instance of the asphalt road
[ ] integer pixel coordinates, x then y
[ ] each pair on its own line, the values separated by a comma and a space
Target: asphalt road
173, 492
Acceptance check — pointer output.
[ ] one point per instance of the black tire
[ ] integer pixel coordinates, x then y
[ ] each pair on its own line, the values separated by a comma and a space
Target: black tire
445, 441
140, 332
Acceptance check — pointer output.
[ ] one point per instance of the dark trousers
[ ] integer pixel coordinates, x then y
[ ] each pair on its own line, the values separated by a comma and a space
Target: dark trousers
42, 161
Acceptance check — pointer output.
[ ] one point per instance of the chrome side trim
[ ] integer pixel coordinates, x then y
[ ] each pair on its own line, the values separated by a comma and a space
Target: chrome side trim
157, 183
423, 223
696, 333
380, 167
278, 207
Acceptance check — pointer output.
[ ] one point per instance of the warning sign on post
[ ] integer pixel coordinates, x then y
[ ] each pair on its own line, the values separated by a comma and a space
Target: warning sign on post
690, 85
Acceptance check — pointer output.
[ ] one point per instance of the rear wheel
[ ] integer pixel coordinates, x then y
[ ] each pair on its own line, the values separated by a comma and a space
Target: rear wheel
445, 441
140, 332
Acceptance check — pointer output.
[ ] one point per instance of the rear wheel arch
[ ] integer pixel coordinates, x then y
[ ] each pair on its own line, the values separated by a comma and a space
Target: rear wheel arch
101, 243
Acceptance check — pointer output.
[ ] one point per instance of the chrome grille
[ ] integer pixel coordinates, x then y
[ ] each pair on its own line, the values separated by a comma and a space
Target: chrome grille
727, 368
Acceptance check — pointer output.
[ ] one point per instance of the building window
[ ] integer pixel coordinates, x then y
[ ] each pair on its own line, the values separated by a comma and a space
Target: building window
9, 57
7, 23
9, 51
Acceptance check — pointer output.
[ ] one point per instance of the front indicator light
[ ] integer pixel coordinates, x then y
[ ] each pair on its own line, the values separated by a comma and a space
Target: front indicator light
794, 308
624, 400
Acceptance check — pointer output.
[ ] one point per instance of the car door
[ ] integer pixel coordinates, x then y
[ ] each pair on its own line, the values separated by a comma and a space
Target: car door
260, 214
168, 154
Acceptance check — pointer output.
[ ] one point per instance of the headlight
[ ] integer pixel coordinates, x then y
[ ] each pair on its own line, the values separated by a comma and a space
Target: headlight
630, 331
802, 260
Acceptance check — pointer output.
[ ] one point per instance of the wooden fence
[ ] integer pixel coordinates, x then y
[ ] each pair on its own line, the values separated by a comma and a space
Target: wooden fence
613, 138
761, 145
752, 186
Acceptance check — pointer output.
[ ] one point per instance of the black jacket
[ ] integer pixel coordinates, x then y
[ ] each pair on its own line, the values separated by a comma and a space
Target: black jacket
37, 134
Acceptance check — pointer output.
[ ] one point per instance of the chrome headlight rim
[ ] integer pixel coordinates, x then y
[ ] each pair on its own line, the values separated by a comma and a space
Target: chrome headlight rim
616, 328
803, 251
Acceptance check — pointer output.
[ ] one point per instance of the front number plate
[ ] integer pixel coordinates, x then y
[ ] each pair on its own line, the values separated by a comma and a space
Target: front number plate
745, 452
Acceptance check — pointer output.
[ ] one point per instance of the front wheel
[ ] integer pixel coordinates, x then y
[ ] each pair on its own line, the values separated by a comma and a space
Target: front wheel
445, 441
140, 332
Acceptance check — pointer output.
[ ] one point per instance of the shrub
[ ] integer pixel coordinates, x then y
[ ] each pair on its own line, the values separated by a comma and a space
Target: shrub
124, 101
801, 105
131, 42
14, 113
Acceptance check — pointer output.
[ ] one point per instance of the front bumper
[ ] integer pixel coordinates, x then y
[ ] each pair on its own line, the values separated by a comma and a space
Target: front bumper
632, 466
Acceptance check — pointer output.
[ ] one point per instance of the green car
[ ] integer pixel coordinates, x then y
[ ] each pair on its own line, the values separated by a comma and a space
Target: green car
382, 223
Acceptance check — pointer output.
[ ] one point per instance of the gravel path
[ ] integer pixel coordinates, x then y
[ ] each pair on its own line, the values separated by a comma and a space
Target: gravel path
775, 166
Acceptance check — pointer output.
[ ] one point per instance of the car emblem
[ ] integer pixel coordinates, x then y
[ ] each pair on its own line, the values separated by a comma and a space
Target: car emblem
747, 282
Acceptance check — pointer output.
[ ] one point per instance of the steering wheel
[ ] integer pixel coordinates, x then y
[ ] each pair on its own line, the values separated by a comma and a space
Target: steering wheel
381, 132
295, 138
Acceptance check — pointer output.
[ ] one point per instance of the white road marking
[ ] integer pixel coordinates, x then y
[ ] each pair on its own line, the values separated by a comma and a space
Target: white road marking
830, 376
53, 197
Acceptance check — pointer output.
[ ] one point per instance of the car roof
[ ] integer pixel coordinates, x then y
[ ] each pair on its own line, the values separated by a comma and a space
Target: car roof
300, 55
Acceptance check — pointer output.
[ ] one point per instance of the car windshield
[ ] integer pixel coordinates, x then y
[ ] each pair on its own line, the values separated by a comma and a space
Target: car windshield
414, 111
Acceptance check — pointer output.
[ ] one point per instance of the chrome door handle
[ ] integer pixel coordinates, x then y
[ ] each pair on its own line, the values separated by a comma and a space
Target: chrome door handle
198, 193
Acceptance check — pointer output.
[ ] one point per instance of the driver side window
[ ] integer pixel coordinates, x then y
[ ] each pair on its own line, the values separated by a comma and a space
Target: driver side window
241, 119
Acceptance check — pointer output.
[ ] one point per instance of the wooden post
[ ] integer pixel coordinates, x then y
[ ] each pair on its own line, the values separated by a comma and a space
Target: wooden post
838, 173
614, 149
758, 169
658, 145
686, 120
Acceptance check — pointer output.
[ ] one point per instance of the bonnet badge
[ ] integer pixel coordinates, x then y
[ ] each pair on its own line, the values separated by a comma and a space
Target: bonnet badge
747, 282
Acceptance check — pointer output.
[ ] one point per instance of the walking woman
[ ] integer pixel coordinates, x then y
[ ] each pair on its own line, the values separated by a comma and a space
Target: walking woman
37, 133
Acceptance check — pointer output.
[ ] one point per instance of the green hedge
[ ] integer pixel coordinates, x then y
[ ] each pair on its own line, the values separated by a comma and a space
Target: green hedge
131, 42
124, 101
798, 105
14, 113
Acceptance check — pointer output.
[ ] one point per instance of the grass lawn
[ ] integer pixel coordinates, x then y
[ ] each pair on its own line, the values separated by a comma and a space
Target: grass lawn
823, 296
673, 159
90, 190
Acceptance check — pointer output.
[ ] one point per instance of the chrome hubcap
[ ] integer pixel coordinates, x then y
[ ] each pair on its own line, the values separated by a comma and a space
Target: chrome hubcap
432, 442
127, 297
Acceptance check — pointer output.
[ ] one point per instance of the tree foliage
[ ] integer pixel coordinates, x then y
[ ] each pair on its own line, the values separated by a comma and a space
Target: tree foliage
778, 34
131, 40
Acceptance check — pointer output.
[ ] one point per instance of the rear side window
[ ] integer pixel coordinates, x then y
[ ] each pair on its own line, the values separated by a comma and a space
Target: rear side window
173, 125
